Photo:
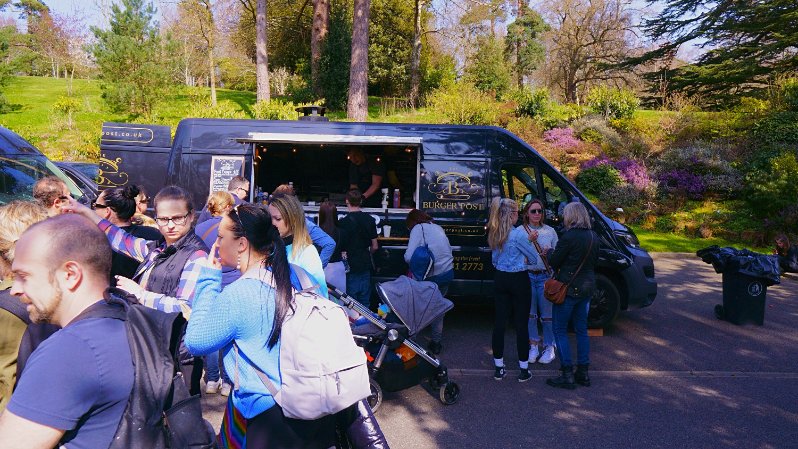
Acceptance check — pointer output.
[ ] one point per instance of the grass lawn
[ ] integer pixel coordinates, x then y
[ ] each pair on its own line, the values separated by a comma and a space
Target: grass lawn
669, 242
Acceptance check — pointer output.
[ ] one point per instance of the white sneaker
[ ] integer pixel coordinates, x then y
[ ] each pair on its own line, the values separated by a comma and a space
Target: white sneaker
226, 387
533, 353
548, 355
212, 387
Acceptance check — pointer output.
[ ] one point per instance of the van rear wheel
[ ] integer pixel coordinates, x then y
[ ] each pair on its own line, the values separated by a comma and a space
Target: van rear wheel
605, 304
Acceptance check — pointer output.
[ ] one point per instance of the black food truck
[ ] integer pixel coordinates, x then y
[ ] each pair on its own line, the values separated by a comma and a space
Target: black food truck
449, 171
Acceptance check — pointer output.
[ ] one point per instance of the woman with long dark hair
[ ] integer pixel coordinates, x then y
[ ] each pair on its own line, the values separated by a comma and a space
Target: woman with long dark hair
118, 205
510, 250
249, 314
546, 239
574, 260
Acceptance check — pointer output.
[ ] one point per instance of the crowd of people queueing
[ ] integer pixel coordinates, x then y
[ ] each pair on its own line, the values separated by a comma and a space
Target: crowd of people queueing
62, 257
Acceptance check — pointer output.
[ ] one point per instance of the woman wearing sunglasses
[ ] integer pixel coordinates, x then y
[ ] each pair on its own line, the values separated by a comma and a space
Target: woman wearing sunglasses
546, 238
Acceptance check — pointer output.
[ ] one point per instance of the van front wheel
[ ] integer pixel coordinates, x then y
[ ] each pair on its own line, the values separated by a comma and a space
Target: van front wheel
604, 305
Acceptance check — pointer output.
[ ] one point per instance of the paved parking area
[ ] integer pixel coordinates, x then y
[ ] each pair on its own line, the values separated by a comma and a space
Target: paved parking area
670, 375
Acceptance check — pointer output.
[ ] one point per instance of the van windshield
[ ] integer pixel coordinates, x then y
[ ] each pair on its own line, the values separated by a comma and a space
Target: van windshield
19, 173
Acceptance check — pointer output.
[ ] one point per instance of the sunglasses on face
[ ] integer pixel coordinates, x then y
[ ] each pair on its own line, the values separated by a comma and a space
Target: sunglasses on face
535, 211
95, 205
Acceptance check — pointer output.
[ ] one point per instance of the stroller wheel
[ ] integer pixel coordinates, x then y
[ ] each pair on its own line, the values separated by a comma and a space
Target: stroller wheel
449, 393
375, 398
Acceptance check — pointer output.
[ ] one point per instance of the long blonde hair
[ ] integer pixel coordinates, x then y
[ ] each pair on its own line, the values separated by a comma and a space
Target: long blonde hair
500, 222
294, 217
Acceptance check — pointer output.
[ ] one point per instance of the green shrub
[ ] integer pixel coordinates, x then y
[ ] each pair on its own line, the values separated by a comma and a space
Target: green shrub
594, 128
463, 104
599, 179
531, 102
775, 186
223, 109
275, 109
612, 103
561, 115
665, 223
777, 128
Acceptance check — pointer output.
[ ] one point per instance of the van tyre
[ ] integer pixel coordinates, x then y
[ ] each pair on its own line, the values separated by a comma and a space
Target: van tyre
605, 304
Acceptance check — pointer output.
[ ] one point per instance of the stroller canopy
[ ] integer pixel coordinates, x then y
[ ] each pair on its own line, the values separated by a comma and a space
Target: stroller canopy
415, 303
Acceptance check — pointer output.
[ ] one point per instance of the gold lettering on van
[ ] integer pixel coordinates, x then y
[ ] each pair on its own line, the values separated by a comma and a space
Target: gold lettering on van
453, 191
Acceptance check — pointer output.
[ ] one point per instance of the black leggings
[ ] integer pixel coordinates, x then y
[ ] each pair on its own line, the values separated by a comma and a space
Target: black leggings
272, 430
513, 294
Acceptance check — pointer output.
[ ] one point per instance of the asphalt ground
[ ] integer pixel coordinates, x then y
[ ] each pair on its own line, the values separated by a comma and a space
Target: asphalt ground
667, 376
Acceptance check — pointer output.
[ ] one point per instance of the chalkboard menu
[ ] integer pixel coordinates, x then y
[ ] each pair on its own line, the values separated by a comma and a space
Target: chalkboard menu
223, 169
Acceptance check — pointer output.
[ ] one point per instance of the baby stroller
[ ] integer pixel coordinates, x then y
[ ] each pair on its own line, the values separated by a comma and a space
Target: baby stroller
400, 362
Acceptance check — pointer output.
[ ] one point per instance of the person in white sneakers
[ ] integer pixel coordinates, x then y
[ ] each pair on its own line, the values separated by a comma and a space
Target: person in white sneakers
540, 311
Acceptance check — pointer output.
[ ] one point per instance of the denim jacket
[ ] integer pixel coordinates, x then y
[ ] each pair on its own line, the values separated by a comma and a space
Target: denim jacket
510, 258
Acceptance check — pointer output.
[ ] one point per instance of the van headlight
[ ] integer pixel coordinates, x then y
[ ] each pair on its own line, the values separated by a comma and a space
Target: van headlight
629, 238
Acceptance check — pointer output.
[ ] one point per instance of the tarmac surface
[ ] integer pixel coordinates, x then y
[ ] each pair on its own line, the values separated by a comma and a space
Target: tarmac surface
667, 376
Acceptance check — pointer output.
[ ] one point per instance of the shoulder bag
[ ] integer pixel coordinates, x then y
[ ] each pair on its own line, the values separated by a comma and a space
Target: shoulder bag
554, 290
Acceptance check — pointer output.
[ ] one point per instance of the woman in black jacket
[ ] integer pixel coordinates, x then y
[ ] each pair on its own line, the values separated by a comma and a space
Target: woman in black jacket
574, 260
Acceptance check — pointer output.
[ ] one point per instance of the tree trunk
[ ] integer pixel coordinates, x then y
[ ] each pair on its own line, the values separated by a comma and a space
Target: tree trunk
262, 57
518, 44
357, 106
212, 75
321, 26
415, 56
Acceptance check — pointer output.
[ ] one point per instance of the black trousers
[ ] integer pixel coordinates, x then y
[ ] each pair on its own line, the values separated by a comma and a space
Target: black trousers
272, 430
513, 296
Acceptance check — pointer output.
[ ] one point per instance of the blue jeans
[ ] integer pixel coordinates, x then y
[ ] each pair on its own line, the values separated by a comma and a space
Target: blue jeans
577, 309
541, 308
358, 286
442, 280
212, 368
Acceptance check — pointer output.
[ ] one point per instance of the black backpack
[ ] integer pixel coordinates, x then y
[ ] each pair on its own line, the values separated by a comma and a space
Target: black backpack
160, 412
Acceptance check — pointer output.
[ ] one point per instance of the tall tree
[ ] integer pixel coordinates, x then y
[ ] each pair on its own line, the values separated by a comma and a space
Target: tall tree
130, 58
524, 42
484, 15
750, 43
415, 57
357, 104
488, 69
262, 56
321, 27
587, 41
200, 13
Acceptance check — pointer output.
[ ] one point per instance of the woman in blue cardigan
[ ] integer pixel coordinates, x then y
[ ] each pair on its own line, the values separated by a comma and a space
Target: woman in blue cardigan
249, 312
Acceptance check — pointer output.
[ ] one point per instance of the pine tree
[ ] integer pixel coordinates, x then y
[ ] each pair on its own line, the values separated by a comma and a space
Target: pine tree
132, 61
750, 44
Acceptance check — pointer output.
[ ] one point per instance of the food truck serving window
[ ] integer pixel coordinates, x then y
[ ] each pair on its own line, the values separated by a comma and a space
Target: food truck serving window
321, 171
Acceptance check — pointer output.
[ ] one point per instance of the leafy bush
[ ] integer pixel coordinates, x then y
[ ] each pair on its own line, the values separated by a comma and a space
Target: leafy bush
562, 138
594, 128
612, 103
531, 103
560, 115
632, 172
598, 179
223, 109
774, 187
463, 104
626, 196
777, 128
275, 109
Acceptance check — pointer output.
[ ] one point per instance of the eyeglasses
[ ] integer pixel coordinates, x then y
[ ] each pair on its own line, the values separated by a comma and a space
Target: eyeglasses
178, 221
535, 211
95, 205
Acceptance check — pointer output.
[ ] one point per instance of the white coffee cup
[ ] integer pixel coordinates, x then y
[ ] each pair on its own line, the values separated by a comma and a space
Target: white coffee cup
386, 230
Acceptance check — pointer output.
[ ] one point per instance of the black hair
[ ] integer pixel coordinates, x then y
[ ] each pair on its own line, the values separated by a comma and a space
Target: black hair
122, 200
175, 193
254, 222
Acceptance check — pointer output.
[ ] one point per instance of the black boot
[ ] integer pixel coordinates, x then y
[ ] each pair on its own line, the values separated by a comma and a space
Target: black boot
581, 377
566, 379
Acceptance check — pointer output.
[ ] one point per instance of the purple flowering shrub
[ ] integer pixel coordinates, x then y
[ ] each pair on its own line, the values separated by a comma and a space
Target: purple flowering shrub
631, 172
562, 138
682, 181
